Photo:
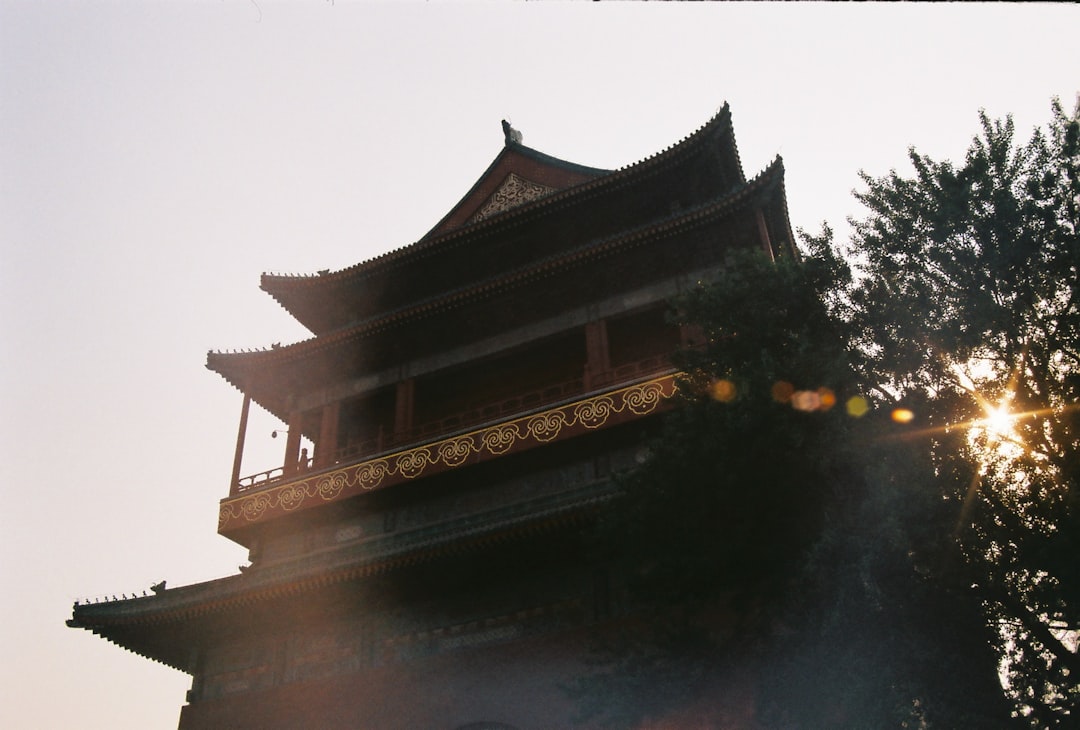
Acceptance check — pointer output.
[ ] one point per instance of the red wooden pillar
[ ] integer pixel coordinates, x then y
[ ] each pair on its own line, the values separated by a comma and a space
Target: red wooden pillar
292, 443
238, 457
404, 408
597, 354
326, 448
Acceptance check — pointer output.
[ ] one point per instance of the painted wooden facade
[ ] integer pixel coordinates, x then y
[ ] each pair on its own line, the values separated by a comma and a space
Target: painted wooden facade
467, 399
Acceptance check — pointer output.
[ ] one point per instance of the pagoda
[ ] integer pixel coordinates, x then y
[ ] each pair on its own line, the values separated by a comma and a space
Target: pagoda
452, 428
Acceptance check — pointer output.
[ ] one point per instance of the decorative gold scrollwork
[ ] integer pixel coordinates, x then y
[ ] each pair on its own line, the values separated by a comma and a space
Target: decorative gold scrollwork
413, 462
455, 451
370, 474
594, 412
499, 439
292, 495
546, 426
644, 399
331, 485
254, 507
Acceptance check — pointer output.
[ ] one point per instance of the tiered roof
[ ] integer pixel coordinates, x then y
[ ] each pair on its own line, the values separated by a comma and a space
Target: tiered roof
163, 626
533, 232
528, 217
316, 301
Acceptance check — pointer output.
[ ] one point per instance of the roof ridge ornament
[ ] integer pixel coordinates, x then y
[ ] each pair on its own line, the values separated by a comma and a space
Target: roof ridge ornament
512, 135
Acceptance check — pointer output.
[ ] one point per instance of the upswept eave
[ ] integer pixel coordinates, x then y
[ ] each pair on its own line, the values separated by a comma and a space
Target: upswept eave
233, 365
283, 286
128, 622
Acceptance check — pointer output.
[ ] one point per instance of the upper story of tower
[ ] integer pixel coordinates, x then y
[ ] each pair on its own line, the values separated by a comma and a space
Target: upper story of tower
534, 307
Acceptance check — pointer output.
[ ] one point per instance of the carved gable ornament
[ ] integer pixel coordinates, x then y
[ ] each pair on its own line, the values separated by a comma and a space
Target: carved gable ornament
513, 192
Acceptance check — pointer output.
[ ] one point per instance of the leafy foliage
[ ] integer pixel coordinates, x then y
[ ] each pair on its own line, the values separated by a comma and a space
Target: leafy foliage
883, 629
969, 300
774, 534
740, 473
871, 574
734, 488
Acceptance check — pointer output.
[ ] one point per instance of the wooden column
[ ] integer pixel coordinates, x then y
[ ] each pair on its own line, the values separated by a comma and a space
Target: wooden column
292, 443
404, 407
763, 233
326, 448
597, 354
238, 457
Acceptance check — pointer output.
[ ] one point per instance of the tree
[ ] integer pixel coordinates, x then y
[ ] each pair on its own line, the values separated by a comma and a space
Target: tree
969, 303
770, 534
733, 490
872, 573
882, 629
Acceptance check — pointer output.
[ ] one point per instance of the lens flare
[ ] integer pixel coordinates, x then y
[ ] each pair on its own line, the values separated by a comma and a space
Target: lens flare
782, 391
857, 406
805, 400
723, 391
903, 415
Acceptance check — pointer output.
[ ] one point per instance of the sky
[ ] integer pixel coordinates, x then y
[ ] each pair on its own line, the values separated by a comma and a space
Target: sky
156, 157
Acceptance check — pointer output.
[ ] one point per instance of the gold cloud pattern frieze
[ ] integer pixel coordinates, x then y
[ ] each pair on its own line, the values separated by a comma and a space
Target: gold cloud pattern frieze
448, 453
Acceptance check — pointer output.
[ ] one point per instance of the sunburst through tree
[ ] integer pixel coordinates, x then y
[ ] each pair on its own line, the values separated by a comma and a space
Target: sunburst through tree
973, 268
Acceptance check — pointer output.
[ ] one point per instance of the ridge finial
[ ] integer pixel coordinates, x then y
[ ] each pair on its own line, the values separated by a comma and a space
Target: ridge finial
512, 135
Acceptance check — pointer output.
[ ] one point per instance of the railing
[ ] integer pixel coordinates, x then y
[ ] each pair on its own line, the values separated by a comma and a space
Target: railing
630, 371
262, 479
472, 415
476, 413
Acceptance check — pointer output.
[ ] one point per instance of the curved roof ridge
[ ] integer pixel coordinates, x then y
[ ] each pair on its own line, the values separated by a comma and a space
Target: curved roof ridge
722, 114
719, 121
769, 170
262, 350
778, 162
512, 146
773, 172
558, 161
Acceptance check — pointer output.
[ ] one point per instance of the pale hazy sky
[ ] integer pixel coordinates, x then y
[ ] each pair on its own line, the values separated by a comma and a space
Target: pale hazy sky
155, 158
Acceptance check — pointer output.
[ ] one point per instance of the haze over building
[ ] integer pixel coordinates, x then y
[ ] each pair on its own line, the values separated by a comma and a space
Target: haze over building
453, 424
158, 156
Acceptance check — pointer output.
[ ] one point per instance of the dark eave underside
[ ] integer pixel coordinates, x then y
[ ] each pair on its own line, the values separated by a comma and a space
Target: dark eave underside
136, 624
300, 295
243, 369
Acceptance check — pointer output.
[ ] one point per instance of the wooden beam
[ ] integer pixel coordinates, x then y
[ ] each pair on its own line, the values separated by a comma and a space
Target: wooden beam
238, 457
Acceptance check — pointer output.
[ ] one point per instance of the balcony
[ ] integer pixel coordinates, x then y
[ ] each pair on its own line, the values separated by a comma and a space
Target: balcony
473, 436
471, 417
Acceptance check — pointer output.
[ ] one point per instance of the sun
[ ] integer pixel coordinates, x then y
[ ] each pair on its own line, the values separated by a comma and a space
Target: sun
999, 422
997, 429
996, 432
